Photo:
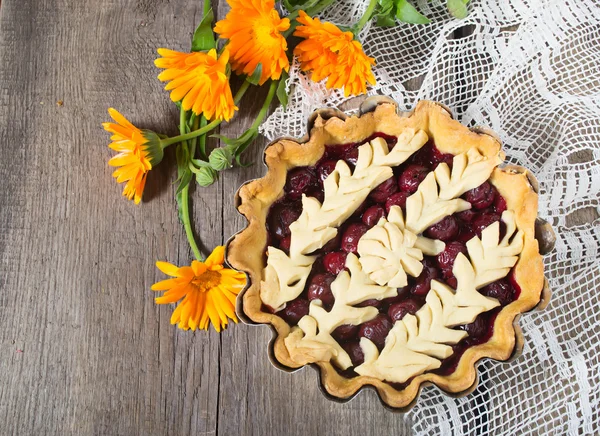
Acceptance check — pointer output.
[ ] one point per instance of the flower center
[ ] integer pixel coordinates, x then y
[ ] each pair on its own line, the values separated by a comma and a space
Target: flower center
266, 34
207, 280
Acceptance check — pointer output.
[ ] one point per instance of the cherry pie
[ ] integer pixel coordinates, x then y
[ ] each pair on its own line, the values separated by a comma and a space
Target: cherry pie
390, 251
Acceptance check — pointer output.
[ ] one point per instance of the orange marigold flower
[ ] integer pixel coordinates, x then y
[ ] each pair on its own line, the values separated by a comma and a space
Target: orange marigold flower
254, 28
139, 151
329, 52
200, 79
208, 291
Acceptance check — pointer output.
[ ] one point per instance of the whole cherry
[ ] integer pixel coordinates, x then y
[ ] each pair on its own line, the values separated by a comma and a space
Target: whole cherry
483, 221
345, 332
355, 352
372, 215
444, 230
446, 258
397, 199
423, 282
281, 216
399, 310
351, 236
294, 311
300, 181
376, 330
335, 262
383, 191
501, 289
411, 177
481, 197
320, 289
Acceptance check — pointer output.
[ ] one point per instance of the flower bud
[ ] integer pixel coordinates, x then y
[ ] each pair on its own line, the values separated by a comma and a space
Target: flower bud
220, 159
206, 176
153, 147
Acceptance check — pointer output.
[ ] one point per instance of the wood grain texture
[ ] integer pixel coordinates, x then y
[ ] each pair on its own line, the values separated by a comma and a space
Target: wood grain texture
83, 348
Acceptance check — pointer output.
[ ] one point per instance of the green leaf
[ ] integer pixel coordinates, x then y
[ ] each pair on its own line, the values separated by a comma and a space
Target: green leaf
385, 13
294, 5
182, 155
204, 38
249, 137
240, 144
186, 178
408, 13
385, 7
282, 94
200, 163
256, 75
458, 8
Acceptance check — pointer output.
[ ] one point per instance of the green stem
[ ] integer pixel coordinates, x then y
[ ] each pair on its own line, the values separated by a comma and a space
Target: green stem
195, 140
207, 7
187, 225
265, 107
238, 95
185, 195
366, 16
190, 135
182, 137
202, 139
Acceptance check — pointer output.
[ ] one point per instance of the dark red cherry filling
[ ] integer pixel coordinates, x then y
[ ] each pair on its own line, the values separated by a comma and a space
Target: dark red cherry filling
376, 330
411, 178
487, 207
372, 215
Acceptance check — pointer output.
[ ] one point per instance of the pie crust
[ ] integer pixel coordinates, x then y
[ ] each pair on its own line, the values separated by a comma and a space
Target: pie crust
246, 251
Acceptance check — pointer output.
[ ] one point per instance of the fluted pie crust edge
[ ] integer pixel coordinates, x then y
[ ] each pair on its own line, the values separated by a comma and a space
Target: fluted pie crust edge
246, 251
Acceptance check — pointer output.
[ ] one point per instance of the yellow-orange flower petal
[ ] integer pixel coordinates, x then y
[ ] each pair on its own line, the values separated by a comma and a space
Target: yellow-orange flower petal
199, 80
138, 151
206, 292
330, 53
253, 28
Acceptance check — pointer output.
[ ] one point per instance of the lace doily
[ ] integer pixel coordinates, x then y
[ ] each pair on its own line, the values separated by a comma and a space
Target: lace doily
528, 69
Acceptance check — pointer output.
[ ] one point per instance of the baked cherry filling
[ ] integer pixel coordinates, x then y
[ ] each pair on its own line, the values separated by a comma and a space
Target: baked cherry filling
486, 208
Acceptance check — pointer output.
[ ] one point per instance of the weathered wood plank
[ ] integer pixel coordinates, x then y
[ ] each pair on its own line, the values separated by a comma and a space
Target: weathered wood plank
98, 356
83, 348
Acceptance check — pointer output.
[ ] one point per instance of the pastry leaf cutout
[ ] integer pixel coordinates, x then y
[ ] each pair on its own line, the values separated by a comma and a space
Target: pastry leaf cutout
345, 190
418, 343
437, 195
388, 251
284, 278
313, 334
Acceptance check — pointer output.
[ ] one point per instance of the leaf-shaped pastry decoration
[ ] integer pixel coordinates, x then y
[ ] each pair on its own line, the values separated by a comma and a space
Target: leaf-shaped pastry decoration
385, 366
349, 288
388, 253
491, 257
425, 208
418, 343
437, 195
469, 170
426, 336
345, 190
284, 279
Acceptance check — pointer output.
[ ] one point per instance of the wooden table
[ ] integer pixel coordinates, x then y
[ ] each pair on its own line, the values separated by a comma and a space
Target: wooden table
84, 350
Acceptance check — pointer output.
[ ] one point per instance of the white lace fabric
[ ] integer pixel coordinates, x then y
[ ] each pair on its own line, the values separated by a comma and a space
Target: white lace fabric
530, 70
